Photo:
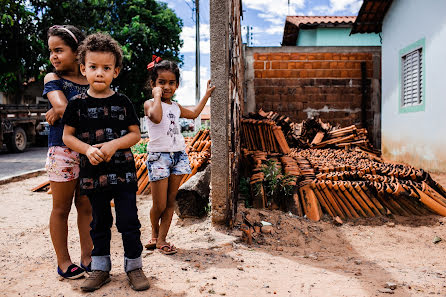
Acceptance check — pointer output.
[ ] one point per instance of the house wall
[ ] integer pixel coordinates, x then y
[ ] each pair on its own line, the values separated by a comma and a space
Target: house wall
335, 37
304, 82
415, 137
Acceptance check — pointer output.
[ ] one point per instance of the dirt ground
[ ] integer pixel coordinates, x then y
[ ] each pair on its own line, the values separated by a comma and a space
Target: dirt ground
300, 258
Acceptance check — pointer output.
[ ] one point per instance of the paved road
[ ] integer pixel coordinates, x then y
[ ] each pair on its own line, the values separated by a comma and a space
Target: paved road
15, 164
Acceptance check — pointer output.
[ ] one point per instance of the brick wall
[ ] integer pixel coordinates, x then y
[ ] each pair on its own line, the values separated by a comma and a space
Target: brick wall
334, 83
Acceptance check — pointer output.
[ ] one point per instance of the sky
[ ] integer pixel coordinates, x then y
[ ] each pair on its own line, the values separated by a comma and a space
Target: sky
267, 19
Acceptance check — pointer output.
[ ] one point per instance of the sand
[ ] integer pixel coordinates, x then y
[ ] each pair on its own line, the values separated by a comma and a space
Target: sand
300, 258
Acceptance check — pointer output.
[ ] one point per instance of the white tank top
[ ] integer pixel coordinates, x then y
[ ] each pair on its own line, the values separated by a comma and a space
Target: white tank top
166, 136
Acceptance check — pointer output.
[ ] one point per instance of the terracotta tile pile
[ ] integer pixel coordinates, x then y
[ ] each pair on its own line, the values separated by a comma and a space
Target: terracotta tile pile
315, 133
199, 152
263, 135
350, 185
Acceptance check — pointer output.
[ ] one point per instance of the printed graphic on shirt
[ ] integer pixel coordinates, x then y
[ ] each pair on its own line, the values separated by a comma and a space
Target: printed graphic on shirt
68, 87
118, 112
173, 128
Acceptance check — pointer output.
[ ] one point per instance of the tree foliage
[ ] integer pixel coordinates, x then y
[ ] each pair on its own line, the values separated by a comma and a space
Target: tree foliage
142, 27
21, 50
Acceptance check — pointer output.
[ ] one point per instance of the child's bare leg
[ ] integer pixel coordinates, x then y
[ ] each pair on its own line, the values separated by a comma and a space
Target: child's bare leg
159, 198
63, 193
84, 218
166, 217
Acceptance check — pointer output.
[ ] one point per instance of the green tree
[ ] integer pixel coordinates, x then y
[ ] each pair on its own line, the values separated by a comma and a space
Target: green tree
22, 52
142, 27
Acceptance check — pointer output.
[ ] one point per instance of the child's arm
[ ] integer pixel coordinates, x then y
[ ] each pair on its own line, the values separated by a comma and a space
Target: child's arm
195, 112
109, 148
57, 99
94, 155
154, 110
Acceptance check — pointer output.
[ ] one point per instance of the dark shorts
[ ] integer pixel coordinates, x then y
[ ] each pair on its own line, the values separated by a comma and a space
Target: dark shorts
162, 165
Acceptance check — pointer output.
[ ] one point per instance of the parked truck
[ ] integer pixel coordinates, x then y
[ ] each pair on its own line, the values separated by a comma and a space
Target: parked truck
22, 125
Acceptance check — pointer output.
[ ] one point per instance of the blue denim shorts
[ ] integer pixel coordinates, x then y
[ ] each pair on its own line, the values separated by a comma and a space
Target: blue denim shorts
162, 165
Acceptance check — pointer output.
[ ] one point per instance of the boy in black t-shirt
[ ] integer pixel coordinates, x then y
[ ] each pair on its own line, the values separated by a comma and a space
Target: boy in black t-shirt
102, 126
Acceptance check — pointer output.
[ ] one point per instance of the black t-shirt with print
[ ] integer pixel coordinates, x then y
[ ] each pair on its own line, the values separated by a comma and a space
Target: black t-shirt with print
99, 120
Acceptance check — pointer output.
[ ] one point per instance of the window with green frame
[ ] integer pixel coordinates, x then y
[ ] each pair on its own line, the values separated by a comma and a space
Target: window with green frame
412, 77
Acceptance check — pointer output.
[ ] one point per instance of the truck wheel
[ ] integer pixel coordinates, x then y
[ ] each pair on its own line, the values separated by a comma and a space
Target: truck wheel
17, 142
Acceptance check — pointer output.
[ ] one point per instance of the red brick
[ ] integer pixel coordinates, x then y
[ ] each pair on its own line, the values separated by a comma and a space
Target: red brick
308, 65
258, 74
336, 73
275, 65
311, 73
336, 57
334, 65
268, 65
356, 73
283, 65
345, 73
294, 56
320, 56
268, 74
259, 65
345, 56
286, 56
325, 65
328, 56
256, 56
303, 74
295, 73
263, 57
317, 65
320, 73
299, 65
291, 65
311, 57
276, 56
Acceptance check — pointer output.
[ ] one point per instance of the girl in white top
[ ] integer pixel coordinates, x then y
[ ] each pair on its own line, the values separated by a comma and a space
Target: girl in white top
167, 161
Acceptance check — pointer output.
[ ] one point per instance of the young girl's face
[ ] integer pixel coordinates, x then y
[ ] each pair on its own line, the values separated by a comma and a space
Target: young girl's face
167, 81
61, 55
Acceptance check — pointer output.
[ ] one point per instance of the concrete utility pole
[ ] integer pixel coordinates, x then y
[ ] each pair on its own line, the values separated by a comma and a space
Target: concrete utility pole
197, 61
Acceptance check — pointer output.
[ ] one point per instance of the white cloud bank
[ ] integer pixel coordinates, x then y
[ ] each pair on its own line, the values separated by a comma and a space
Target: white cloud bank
186, 92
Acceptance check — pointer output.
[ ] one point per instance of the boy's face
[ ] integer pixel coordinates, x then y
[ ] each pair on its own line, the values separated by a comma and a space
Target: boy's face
100, 70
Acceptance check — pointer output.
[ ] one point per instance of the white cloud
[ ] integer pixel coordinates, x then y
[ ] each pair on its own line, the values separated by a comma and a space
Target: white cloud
188, 36
338, 7
186, 92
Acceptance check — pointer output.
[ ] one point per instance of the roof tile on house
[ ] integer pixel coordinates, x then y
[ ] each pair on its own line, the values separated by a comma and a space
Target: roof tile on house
370, 16
294, 23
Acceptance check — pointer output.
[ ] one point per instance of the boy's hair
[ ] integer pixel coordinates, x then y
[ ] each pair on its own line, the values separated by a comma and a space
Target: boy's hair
63, 32
164, 65
100, 42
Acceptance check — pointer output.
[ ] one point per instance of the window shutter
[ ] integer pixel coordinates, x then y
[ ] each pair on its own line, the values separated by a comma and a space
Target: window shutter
412, 78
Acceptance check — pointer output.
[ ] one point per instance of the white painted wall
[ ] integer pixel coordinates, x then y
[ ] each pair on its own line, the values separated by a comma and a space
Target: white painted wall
417, 138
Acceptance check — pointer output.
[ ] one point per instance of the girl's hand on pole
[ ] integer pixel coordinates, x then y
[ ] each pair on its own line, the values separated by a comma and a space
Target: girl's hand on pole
94, 155
157, 93
210, 88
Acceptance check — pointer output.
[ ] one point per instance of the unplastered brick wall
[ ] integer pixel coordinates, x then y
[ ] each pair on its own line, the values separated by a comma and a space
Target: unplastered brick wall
333, 83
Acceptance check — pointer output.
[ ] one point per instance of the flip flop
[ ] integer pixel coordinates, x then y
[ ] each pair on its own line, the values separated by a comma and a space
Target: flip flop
151, 245
167, 249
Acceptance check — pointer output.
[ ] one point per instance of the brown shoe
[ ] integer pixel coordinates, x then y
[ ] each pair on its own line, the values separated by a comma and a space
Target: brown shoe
96, 280
137, 279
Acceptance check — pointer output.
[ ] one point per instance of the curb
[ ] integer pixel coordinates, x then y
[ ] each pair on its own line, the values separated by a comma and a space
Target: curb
22, 176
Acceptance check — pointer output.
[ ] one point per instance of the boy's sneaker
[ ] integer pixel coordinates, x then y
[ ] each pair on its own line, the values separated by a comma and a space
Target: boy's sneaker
96, 280
137, 279
73, 272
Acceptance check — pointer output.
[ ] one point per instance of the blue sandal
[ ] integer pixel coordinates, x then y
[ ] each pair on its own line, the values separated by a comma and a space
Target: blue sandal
73, 272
